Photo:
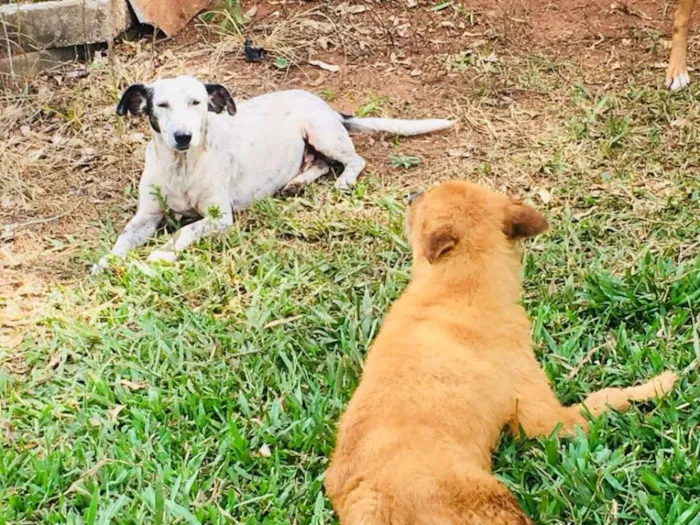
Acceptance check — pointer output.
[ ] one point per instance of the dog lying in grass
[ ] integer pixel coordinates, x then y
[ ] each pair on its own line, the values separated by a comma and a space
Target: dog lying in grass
453, 365
677, 73
205, 162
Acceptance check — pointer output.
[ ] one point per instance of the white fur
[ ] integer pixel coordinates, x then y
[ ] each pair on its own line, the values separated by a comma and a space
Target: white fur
234, 160
180, 106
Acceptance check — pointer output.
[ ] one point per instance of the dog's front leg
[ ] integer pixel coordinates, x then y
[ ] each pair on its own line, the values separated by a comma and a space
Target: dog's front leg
677, 72
139, 229
191, 234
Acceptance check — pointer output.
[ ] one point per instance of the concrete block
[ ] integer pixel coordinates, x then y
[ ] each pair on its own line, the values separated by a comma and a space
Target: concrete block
62, 23
170, 16
26, 64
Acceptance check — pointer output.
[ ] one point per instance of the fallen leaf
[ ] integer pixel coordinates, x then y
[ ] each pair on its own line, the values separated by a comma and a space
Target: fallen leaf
133, 385
681, 123
320, 80
544, 195
14, 341
250, 14
265, 451
456, 152
35, 155
350, 9
59, 140
114, 412
54, 361
328, 67
10, 436
86, 156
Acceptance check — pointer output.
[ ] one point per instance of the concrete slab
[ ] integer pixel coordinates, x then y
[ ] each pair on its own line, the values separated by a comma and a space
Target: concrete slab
62, 23
27, 64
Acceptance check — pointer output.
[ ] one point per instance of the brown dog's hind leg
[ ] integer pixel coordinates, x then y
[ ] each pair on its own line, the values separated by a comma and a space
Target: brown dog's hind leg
538, 411
677, 72
483, 500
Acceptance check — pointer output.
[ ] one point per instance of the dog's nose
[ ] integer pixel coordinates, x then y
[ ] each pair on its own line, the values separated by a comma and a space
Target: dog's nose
414, 196
182, 139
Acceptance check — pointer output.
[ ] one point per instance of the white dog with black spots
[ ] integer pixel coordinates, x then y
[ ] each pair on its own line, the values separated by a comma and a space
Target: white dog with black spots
208, 158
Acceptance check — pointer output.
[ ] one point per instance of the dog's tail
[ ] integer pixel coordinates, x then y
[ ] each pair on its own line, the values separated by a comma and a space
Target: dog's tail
394, 125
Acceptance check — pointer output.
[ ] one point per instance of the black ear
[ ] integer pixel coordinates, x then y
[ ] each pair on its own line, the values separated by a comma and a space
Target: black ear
134, 100
522, 221
220, 98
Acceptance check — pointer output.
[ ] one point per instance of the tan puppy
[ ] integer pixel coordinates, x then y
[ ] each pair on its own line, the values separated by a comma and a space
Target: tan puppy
452, 365
677, 73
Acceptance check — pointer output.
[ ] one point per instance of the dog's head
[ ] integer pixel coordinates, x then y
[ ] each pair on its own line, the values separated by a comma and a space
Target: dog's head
177, 108
458, 219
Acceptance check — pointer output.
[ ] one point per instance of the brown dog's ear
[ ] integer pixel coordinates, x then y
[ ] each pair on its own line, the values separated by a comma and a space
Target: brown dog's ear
438, 242
523, 221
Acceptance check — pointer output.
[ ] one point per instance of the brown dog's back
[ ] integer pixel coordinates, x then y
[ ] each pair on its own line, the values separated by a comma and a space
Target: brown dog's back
450, 368
414, 446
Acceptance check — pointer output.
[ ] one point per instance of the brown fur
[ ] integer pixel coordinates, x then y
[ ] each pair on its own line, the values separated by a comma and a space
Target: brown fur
452, 366
677, 64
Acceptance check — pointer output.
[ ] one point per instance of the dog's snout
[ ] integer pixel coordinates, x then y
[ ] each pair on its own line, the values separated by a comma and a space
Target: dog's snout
182, 139
415, 196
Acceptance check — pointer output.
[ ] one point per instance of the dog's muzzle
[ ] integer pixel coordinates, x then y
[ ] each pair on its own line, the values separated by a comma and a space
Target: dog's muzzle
182, 140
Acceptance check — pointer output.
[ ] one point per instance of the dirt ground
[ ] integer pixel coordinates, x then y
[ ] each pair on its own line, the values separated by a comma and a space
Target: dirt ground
68, 164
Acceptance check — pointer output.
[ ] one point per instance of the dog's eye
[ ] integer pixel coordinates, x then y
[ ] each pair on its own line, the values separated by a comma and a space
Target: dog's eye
195, 102
164, 105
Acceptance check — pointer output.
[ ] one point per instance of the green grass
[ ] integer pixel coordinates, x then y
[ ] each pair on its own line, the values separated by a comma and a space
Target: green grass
209, 391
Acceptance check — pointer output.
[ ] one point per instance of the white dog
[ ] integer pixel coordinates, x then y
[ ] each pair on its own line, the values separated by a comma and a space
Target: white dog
205, 162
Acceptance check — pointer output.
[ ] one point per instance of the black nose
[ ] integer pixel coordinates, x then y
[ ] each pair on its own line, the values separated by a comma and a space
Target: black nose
182, 140
414, 196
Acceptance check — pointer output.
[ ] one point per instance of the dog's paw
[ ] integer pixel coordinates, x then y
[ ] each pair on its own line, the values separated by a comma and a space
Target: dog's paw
677, 73
678, 81
162, 256
342, 184
99, 267
292, 189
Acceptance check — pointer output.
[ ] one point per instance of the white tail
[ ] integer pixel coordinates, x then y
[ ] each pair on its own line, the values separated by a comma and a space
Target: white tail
396, 126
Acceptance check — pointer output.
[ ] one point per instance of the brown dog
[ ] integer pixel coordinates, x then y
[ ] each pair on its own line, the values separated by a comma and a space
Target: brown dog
677, 72
452, 365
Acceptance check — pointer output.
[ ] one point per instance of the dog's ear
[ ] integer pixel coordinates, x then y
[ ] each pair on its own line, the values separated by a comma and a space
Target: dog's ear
523, 221
134, 100
439, 242
220, 98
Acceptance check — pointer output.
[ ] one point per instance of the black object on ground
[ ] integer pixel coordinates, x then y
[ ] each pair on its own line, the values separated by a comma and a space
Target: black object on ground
253, 54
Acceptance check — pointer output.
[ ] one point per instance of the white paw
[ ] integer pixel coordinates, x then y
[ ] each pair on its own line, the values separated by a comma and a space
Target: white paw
292, 188
99, 267
679, 81
342, 184
162, 256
